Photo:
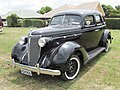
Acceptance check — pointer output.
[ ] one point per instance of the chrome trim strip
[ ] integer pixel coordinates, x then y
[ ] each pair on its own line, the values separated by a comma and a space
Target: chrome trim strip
24, 55
37, 69
36, 36
29, 39
67, 36
39, 52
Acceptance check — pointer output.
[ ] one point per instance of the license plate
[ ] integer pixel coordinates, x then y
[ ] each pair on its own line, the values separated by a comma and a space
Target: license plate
26, 72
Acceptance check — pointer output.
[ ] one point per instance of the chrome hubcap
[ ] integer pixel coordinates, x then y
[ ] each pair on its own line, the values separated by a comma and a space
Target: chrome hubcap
73, 68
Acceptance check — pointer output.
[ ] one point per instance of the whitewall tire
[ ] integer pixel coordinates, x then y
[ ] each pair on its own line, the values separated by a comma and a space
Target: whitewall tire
73, 68
107, 46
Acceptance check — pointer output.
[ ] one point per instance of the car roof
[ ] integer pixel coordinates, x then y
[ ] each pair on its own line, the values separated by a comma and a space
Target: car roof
79, 12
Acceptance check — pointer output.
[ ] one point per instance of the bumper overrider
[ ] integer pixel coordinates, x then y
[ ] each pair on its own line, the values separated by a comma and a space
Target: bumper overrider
37, 69
1, 29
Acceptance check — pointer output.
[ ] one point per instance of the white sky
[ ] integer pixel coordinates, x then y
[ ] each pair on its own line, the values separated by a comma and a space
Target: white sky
10, 5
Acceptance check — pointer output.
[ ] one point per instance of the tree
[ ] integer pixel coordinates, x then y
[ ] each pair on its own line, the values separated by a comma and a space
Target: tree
117, 7
110, 11
12, 20
115, 13
44, 10
107, 9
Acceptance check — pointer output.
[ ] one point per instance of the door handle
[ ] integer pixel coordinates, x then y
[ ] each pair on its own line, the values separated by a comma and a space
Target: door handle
97, 30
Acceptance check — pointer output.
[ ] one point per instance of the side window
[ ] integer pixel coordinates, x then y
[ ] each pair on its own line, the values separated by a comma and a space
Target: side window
103, 20
98, 20
89, 21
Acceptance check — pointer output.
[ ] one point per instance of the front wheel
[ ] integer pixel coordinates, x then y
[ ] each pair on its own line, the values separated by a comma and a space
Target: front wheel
72, 69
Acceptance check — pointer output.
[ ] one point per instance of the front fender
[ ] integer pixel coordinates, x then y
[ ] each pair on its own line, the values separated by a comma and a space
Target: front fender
59, 55
18, 51
64, 51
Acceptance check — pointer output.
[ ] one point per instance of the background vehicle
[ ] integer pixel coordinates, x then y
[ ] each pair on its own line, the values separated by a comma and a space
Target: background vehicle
72, 39
1, 25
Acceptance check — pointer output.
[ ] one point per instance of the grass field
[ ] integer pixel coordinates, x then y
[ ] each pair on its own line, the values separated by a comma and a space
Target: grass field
103, 73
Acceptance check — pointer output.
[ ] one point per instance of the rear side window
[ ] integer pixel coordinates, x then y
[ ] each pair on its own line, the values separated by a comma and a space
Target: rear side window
98, 19
103, 20
89, 20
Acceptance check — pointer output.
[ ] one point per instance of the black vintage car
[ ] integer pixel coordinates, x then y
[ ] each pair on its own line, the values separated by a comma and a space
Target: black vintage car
71, 39
1, 24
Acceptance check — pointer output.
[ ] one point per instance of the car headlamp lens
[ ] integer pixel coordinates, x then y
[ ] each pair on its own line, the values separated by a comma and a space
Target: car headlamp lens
22, 40
42, 42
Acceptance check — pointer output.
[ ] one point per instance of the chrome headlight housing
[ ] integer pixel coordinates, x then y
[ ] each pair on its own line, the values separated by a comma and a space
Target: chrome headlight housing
22, 40
42, 42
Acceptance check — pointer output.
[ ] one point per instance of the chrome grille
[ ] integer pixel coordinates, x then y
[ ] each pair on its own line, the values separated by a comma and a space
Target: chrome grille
34, 51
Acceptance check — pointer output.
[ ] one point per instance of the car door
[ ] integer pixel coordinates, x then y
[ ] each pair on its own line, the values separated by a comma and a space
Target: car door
90, 33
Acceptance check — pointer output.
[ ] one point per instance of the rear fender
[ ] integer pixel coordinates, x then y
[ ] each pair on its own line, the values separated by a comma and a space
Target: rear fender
107, 35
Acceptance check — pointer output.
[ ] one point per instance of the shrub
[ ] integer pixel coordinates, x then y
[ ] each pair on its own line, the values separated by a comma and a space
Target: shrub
27, 23
20, 23
113, 23
12, 20
9, 21
33, 23
37, 23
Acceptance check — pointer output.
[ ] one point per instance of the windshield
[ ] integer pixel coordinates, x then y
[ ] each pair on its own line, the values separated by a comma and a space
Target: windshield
66, 20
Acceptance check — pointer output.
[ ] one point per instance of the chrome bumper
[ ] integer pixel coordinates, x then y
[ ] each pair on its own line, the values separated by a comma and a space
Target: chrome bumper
37, 69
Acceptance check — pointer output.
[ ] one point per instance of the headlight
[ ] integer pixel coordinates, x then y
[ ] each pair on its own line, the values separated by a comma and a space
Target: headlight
42, 42
22, 40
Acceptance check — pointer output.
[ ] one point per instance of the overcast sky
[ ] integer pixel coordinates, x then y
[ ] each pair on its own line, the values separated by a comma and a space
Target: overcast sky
10, 5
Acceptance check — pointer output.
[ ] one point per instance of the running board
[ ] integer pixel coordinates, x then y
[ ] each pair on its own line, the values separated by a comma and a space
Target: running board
92, 54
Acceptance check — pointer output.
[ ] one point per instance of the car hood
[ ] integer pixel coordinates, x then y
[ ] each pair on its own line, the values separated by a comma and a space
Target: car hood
57, 30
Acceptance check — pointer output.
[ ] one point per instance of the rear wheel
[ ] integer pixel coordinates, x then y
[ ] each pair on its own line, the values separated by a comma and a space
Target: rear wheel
73, 68
107, 46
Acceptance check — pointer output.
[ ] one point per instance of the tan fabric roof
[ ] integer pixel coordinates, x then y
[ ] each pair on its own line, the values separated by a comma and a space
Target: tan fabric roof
87, 6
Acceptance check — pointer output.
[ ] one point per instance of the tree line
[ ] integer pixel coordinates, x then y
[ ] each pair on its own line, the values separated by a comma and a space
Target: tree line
111, 11
13, 19
108, 9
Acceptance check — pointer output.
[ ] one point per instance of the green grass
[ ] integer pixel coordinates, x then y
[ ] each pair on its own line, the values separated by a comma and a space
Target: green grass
103, 73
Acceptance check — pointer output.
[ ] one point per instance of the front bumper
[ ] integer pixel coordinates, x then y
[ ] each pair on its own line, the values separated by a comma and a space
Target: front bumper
37, 69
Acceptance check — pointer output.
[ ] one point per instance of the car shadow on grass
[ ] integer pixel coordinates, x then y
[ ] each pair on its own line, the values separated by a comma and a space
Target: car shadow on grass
48, 82
1, 33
